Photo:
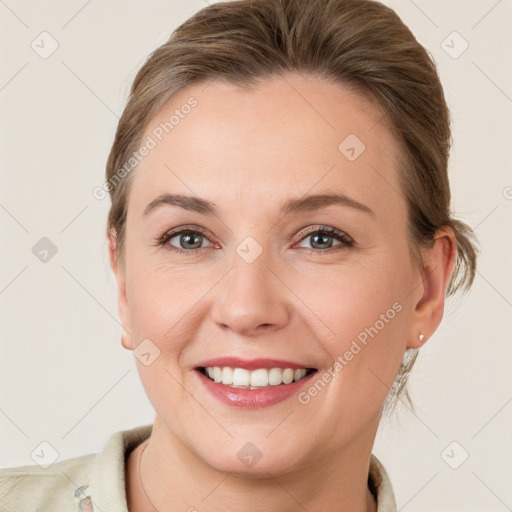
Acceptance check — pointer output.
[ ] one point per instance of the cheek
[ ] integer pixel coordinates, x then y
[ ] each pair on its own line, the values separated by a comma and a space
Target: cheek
165, 309
362, 317
164, 302
353, 296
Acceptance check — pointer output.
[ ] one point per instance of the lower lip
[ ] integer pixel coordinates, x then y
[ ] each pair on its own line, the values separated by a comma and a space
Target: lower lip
252, 398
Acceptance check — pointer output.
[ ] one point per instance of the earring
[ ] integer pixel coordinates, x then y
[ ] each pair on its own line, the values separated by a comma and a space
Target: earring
421, 338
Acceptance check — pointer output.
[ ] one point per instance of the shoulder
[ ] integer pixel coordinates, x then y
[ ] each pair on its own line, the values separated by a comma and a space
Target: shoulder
27, 488
74, 483
381, 487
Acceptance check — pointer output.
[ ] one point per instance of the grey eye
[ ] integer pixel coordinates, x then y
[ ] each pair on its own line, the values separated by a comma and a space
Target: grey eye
188, 240
321, 240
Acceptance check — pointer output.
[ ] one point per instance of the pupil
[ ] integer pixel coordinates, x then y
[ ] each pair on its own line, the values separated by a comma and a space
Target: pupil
322, 237
188, 238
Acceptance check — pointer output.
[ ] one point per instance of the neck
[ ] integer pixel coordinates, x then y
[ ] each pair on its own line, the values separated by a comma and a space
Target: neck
174, 478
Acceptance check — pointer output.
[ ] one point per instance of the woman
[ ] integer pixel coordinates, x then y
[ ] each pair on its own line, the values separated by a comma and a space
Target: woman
281, 236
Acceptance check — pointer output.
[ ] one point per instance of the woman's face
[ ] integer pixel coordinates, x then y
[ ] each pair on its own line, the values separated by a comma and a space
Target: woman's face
301, 257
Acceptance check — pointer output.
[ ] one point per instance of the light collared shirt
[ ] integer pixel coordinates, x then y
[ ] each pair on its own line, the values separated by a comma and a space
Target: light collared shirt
96, 482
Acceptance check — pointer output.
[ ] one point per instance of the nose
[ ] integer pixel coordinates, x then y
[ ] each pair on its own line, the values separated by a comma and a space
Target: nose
252, 300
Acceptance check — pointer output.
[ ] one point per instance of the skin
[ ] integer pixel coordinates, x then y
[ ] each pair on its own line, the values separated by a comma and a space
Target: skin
249, 151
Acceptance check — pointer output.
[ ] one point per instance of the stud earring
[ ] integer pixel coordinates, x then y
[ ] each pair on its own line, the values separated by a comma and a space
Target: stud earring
421, 338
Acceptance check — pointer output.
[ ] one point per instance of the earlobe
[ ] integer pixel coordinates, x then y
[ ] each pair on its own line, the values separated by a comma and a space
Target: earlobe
439, 262
126, 340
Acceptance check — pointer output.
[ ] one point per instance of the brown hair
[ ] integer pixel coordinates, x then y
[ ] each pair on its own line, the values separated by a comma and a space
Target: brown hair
360, 44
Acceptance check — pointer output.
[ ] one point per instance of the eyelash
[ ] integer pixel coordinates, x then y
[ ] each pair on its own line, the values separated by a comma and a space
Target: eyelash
345, 240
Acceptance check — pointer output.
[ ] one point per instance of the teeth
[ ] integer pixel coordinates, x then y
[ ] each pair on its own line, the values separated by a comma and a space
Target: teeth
256, 379
241, 377
275, 376
259, 378
288, 376
227, 376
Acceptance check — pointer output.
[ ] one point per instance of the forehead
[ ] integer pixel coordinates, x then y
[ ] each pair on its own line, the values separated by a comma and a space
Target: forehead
284, 137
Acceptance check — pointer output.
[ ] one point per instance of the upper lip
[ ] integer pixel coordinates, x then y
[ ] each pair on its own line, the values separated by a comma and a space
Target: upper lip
251, 364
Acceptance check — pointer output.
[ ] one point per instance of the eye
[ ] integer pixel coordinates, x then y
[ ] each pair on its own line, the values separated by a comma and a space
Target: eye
190, 240
322, 239
187, 240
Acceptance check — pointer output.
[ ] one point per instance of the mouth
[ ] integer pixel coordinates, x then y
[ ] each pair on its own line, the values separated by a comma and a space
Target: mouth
256, 379
252, 383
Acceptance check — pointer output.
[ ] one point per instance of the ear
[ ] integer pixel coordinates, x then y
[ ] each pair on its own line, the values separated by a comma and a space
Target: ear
118, 268
439, 262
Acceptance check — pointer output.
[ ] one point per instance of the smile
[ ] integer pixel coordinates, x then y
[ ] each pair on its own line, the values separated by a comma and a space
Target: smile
259, 378
252, 383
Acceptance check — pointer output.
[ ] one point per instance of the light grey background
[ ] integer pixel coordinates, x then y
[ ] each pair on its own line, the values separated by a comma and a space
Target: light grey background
66, 379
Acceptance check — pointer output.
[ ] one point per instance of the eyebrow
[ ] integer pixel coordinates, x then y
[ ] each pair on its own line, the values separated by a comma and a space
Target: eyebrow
307, 204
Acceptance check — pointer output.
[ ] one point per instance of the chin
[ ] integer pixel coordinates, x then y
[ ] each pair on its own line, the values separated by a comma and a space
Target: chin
259, 470
255, 460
